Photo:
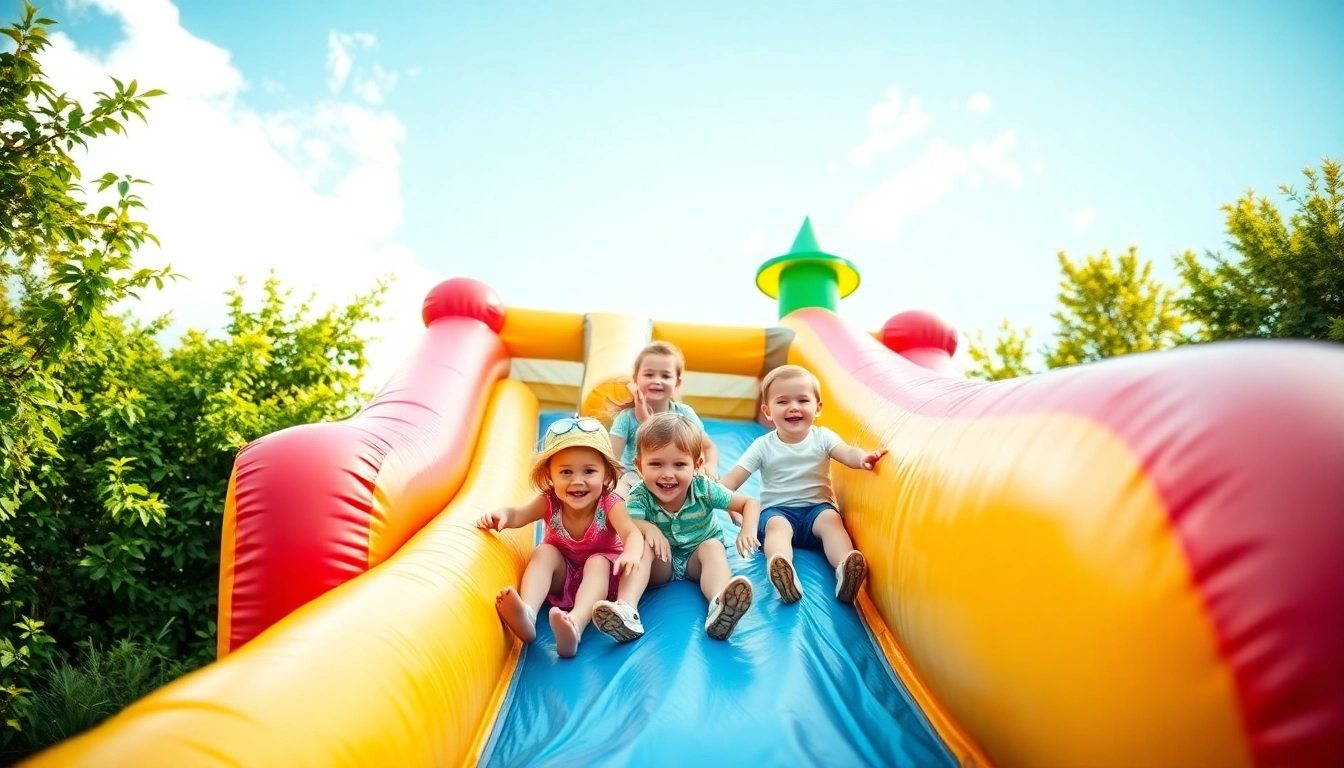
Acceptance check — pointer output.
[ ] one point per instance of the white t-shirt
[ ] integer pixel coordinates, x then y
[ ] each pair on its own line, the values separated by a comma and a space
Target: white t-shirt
793, 475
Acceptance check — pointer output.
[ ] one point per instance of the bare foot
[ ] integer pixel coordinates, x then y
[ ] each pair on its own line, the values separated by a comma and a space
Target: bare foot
566, 634
517, 616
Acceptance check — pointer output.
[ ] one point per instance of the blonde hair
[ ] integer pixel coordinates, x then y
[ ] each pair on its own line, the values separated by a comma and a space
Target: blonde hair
656, 348
541, 473
789, 373
669, 428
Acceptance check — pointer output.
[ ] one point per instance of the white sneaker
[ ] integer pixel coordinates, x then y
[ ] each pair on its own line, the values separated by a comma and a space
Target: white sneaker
728, 607
850, 575
785, 579
617, 620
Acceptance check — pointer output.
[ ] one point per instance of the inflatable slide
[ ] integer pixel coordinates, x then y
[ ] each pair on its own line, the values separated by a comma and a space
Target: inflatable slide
1135, 562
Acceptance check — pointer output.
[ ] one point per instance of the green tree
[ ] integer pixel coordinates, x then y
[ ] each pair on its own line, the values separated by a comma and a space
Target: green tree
1107, 307
114, 453
1288, 280
1112, 306
63, 261
1004, 358
121, 538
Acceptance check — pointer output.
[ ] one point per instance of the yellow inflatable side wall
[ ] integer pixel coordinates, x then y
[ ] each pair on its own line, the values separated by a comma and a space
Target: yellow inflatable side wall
1003, 639
401, 666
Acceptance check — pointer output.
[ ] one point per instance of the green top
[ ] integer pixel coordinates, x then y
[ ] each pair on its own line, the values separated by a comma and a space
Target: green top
690, 526
807, 276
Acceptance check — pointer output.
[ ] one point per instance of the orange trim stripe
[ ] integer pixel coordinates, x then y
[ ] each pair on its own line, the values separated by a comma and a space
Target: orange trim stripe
228, 535
966, 752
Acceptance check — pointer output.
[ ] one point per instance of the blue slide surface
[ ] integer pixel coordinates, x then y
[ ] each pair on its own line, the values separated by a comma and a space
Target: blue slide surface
801, 684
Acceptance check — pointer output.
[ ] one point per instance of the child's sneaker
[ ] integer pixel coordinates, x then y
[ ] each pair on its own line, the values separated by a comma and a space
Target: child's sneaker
785, 579
728, 607
617, 620
849, 576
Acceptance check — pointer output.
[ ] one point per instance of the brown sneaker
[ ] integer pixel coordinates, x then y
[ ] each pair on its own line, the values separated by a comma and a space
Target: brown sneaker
728, 607
850, 575
617, 620
785, 579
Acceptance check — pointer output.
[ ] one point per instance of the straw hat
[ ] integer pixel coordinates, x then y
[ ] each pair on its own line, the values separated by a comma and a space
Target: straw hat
574, 432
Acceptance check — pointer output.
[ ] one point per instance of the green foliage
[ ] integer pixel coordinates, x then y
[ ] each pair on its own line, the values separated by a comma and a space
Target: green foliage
125, 530
1005, 359
63, 262
114, 453
1111, 307
71, 698
1108, 307
1289, 280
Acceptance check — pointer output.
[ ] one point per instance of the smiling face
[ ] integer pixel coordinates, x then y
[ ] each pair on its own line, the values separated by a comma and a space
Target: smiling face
578, 475
658, 378
792, 405
667, 473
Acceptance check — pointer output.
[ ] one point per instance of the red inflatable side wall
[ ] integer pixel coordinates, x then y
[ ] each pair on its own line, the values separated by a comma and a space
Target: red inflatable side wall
313, 506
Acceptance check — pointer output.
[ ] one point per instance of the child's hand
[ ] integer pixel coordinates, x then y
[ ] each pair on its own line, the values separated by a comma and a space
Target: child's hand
658, 543
628, 562
747, 543
491, 521
871, 459
642, 412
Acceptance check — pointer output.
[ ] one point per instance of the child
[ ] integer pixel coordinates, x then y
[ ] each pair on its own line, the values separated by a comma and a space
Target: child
658, 369
674, 508
799, 505
581, 556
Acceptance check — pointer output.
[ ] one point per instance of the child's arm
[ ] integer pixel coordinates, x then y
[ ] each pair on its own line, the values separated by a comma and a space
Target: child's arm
750, 508
735, 477
631, 538
857, 458
620, 434
711, 468
513, 517
653, 535
710, 451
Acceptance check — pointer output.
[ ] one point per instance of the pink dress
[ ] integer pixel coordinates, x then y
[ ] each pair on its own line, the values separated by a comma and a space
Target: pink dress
600, 539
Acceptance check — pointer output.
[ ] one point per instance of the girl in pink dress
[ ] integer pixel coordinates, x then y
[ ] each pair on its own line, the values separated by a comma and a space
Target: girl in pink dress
590, 540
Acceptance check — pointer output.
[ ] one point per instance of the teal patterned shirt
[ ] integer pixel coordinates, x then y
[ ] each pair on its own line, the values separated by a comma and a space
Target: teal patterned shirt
693, 524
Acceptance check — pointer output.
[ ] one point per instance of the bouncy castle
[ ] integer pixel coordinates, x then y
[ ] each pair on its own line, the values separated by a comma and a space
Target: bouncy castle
1136, 562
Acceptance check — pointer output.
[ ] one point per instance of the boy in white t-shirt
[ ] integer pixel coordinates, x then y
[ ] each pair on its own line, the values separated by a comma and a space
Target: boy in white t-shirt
797, 503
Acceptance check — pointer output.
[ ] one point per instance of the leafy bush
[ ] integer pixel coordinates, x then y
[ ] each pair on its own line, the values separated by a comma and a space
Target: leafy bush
114, 453
71, 698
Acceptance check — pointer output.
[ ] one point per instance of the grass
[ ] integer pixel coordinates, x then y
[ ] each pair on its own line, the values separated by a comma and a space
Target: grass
71, 698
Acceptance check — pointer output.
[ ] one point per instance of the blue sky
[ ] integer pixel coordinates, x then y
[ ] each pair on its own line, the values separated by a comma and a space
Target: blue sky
648, 157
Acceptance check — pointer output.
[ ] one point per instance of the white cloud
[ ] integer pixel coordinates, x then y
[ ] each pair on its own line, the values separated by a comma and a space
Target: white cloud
1083, 219
978, 103
1037, 165
377, 84
993, 159
933, 175
889, 126
340, 55
755, 242
311, 192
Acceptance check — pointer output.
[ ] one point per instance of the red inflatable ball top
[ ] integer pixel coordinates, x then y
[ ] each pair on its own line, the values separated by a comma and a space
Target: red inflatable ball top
464, 297
919, 329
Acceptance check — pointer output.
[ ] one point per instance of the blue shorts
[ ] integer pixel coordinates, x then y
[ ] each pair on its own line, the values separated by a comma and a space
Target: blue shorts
801, 518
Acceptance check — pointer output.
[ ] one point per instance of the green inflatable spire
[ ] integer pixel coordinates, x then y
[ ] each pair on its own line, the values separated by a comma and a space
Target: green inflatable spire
807, 276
